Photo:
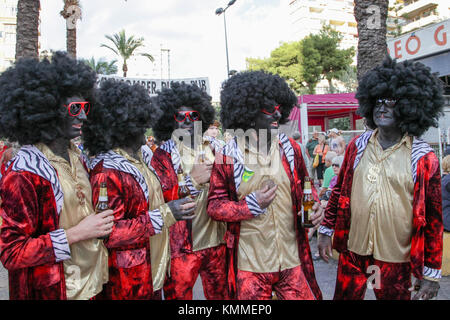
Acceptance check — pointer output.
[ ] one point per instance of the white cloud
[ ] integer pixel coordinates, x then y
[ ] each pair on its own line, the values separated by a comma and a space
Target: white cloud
190, 29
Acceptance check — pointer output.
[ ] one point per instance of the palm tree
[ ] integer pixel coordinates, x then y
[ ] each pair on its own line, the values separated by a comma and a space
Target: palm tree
71, 12
101, 66
126, 47
371, 18
27, 37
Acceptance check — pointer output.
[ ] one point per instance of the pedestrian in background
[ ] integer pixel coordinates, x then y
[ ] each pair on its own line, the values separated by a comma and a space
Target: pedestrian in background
310, 146
297, 137
321, 150
336, 142
328, 173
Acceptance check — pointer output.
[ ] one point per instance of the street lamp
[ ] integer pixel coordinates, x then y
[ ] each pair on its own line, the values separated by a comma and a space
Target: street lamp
219, 11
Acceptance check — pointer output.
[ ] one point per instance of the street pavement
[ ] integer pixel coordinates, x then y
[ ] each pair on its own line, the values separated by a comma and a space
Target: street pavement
325, 275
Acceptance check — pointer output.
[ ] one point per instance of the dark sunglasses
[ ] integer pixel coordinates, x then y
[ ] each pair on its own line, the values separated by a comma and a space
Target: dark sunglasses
390, 103
180, 116
276, 108
75, 108
335, 165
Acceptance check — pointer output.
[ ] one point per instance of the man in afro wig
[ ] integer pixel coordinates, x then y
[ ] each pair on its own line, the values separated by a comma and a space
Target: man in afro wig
257, 185
197, 246
49, 223
385, 210
115, 136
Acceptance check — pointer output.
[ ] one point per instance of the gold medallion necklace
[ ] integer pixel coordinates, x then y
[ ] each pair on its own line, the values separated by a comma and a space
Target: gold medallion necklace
78, 189
374, 170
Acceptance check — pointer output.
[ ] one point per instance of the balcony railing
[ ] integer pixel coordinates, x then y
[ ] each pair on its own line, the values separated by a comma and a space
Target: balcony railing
422, 22
414, 8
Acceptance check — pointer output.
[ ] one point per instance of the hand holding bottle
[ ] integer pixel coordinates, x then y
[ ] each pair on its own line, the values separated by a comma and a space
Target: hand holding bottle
93, 226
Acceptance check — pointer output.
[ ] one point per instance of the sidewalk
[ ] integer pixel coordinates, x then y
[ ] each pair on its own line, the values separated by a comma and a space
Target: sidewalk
325, 275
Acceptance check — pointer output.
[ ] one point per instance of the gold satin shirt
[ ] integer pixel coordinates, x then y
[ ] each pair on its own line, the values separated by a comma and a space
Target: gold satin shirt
159, 243
381, 219
206, 233
87, 270
267, 243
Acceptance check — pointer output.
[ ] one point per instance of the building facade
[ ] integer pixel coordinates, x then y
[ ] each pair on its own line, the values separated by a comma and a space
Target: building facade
8, 24
416, 14
308, 16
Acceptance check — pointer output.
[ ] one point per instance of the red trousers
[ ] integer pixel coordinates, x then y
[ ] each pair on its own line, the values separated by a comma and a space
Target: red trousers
390, 281
209, 263
288, 284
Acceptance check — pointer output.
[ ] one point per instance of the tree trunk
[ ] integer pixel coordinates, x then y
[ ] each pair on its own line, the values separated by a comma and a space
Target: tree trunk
371, 20
71, 38
27, 38
125, 69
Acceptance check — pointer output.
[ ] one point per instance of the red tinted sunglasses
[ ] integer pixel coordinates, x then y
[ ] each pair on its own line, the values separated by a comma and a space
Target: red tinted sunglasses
276, 108
75, 108
193, 115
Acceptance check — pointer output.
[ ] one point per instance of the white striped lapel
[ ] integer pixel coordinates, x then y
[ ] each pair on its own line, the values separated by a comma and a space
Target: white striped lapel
31, 159
288, 151
112, 160
419, 149
232, 150
361, 144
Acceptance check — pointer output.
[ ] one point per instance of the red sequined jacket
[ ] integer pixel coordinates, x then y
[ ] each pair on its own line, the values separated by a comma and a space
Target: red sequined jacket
179, 234
426, 242
29, 216
223, 205
128, 244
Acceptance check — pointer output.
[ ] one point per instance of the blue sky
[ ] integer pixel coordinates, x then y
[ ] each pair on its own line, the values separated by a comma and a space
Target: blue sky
190, 29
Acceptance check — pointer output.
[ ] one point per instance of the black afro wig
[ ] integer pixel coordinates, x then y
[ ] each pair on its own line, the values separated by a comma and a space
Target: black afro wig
33, 94
417, 91
120, 111
179, 95
245, 94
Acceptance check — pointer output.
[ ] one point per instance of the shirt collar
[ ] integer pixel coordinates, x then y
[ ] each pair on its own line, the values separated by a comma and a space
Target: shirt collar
127, 156
406, 139
48, 153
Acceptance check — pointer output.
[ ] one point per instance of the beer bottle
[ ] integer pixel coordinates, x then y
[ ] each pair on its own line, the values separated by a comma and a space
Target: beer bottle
307, 204
102, 203
201, 150
183, 190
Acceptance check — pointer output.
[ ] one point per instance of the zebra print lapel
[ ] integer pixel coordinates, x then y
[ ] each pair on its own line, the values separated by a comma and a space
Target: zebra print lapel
112, 160
232, 150
361, 144
288, 150
170, 147
147, 155
31, 159
419, 149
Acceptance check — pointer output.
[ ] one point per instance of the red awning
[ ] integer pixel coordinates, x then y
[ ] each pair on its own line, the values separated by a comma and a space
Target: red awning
327, 105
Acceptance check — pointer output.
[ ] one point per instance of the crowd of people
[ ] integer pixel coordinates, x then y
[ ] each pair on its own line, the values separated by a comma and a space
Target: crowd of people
92, 209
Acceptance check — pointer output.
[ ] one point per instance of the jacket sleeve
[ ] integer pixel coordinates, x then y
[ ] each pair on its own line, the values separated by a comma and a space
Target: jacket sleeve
162, 163
221, 205
126, 231
22, 243
433, 229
